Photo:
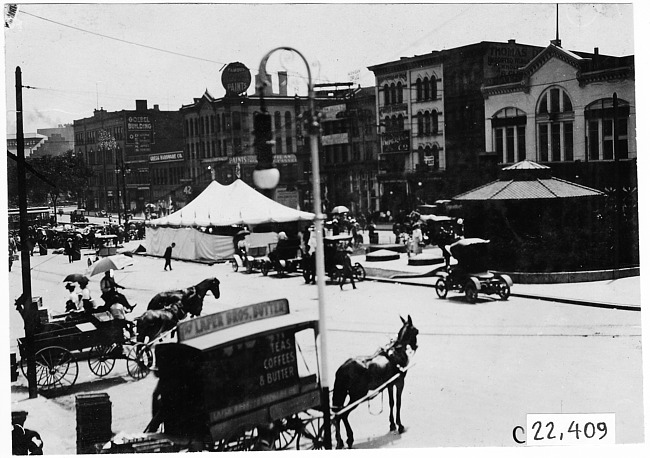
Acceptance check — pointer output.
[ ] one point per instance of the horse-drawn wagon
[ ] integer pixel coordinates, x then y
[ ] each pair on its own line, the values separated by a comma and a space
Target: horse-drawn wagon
241, 379
97, 337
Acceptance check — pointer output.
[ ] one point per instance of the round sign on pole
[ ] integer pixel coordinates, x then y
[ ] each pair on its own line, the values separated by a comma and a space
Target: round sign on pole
236, 78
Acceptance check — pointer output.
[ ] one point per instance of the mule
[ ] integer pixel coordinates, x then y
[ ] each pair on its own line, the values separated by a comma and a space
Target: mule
357, 376
166, 309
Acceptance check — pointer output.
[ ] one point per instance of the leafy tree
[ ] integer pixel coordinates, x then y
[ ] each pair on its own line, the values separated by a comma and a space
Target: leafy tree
68, 176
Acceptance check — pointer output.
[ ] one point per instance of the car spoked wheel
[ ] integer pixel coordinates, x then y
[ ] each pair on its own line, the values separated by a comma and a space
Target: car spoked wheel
441, 288
503, 290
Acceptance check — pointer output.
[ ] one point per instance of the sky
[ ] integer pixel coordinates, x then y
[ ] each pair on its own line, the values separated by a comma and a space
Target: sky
79, 57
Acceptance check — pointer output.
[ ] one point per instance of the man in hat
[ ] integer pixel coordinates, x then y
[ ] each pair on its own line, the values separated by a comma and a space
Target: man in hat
110, 294
168, 256
69, 249
24, 441
348, 271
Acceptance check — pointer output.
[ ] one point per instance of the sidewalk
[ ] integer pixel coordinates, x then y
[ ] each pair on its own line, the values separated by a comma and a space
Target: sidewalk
622, 293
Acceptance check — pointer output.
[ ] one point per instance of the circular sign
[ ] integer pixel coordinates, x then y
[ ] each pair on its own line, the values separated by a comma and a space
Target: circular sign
236, 78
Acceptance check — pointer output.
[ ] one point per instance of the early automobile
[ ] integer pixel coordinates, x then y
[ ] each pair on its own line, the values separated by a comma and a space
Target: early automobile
470, 275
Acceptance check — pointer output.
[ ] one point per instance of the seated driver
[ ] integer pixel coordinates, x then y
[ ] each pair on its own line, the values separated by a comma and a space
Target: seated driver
109, 292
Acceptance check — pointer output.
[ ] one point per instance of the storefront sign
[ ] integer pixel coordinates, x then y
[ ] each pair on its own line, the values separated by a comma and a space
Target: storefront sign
236, 78
396, 142
508, 58
228, 318
278, 159
335, 139
287, 198
139, 133
167, 157
331, 111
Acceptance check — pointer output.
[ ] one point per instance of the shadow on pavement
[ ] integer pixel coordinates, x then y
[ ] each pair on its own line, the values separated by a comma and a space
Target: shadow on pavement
379, 441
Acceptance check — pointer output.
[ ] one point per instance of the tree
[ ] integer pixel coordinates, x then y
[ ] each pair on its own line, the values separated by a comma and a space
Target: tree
68, 175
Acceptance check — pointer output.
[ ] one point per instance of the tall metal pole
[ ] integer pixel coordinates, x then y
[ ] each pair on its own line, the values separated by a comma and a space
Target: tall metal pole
29, 314
318, 229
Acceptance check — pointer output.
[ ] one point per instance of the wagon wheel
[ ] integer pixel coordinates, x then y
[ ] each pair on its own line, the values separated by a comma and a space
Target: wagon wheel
56, 367
265, 269
246, 438
359, 272
441, 288
102, 359
139, 361
287, 429
234, 265
503, 289
471, 293
311, 436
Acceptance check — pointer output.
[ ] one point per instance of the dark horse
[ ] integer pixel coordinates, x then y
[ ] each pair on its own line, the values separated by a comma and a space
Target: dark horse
166, 309
359, 375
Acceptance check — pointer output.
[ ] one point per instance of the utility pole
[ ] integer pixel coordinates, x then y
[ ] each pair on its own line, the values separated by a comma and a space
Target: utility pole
29, 313
617, 189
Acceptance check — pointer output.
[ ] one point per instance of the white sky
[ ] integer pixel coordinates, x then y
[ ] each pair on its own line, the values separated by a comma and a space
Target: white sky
75, 70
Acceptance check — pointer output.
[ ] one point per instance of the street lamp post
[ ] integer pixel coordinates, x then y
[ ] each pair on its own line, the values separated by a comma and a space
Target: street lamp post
313, 131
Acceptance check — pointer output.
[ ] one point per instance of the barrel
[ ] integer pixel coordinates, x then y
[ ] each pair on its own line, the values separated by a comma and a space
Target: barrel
94, 418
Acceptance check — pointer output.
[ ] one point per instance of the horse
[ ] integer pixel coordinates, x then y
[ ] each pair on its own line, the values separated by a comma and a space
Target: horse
356, 376
193, 293
166, 309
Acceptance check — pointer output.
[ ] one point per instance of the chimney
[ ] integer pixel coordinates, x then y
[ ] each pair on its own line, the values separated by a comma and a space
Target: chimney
140, 105
156, 107
596, 58
512, 41
282, 83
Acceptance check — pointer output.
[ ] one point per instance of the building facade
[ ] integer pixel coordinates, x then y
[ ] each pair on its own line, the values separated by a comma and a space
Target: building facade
431, 112
350, 149
559, 110
129, 150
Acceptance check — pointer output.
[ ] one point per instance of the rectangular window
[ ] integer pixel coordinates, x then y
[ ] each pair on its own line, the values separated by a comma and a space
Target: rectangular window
568, 141
555, 141
555, 100
498, 143
521, 143
543, 142
608, 139
593, 137
510, 144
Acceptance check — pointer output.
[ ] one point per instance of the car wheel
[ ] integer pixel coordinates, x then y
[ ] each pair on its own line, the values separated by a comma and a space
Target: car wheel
503, 290
441, 288
235, 266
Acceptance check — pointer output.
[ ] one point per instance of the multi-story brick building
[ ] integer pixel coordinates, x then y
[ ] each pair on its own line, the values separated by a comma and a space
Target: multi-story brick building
129, 150
431, 111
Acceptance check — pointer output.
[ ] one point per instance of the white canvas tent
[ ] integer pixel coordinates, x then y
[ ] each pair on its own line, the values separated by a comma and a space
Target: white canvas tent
217, 205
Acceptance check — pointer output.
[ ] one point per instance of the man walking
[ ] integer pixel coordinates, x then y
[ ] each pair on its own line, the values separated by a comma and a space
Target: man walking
168, 256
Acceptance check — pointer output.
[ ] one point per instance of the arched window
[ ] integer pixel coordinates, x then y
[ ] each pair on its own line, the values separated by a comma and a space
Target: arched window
387, 125
418, 89
509, 134
386, 95
434, 88
393, 93
599, 119
554, 119
425, 83
420, 124
436, 157
400, 93
400, 122
434, 122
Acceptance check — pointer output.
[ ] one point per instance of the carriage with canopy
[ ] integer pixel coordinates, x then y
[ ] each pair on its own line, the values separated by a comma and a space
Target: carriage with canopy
241, 379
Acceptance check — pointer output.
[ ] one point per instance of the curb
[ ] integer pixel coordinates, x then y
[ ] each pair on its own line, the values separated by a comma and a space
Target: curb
607, 305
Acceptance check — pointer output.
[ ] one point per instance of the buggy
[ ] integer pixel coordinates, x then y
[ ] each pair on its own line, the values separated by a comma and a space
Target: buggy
334, 247
470, 275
